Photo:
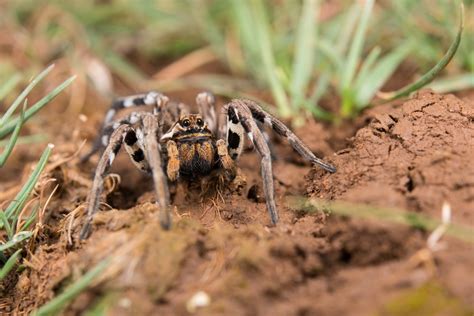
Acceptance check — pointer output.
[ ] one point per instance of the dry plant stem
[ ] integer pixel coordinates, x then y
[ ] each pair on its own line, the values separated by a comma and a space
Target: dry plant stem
186, 64
43, 210
23, 211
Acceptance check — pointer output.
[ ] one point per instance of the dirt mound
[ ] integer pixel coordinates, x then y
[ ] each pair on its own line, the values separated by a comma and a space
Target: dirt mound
312, 263
413, 157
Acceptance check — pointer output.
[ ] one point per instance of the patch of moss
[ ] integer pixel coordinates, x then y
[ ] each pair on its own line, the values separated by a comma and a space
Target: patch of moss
428, 300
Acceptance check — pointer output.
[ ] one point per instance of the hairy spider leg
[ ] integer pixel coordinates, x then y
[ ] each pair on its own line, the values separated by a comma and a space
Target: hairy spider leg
262, 116
153, 156
207, 108
156, 99
241, 112
235, 133
103, 166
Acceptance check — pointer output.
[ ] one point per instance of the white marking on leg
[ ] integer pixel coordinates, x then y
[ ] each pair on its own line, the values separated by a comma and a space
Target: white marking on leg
140, 137
111, 158
134, 117
105, 140
250, 135
109, 116
128, 102
268, 121
150, 98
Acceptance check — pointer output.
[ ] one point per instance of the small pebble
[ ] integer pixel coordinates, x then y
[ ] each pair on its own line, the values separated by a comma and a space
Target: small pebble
200, 299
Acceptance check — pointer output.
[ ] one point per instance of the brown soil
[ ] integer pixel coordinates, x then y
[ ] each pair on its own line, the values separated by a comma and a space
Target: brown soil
413, 157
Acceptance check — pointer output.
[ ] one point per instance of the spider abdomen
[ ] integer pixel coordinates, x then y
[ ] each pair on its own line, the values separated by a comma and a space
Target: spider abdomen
196, 156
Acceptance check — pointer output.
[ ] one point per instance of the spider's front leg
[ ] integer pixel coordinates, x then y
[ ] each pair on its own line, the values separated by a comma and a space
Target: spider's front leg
226, 161
240, 117
105, 162
152, 155
172, 168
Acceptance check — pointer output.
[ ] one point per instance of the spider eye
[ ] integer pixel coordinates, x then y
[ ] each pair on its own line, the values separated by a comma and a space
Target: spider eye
200, 122
186, 123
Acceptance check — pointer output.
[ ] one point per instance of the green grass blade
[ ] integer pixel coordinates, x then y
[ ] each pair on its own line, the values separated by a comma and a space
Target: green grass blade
304, 51
25, 191
379, 74
320, 88
13, 138
23, 95
243, 20
25, 140
8, 86
318, 112
345, 33
15, 240
330, 51
5, 223
433, 72
400, 216
10, 125
8, 266
366, 67
262, 34
60, 302
357, 45
453, 83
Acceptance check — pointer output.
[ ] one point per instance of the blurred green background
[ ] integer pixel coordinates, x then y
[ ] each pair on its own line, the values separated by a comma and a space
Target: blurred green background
323, 58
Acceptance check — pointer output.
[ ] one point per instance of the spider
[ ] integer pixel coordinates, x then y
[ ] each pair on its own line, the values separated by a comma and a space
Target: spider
170, 144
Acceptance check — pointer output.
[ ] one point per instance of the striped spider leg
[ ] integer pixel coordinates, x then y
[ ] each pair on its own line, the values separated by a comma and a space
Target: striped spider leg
141, 143
242, 117
153, 98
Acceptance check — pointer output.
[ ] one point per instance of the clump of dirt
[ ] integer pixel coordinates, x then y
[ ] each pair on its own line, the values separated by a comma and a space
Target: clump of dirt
413, 157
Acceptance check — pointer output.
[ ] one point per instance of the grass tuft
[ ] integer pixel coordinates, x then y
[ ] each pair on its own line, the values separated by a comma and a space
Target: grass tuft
10, 249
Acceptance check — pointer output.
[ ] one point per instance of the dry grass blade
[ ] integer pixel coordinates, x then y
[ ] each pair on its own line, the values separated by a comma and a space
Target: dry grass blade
186, 64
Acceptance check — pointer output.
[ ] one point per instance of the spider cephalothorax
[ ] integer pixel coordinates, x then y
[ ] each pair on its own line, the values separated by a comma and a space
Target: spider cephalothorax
171, 144
194, 145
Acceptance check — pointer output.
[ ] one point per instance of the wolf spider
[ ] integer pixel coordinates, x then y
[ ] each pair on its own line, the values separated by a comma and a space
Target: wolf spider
191, 147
